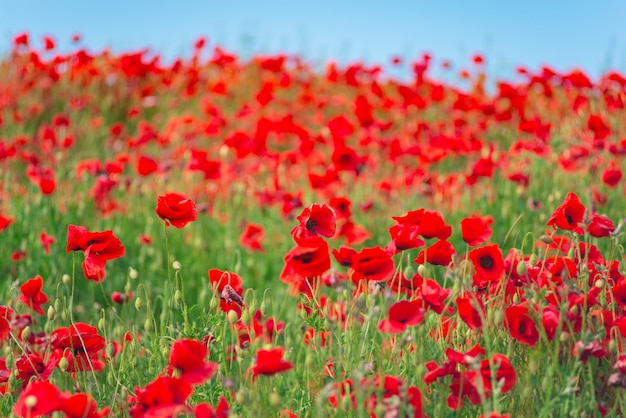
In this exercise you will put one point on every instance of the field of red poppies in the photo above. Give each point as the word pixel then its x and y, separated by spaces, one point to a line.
pixel 220 237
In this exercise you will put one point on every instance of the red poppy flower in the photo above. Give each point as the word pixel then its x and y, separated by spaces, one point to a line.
pixel 82 405
pixel 344 255
pixel 187 356
pixel 46 397
pixel 372 264
pixel 32 295
pixel 405 237
pixel 505 373
pixel 476 229
pixel 310 261
pixel 401 315
pixel 99 247
pixel 469 312
pixel 5 221
pixel 600 226
pixel 230 287
pixel 205 410
pixel 568 215
pixel 520 325
pixel 440 254
pixel 435 296
pixel 32 365
pixel 342 207
pixel 611 176
pixel 431 223
pixel 488 263
pixel 175 209
pixel 80 344
pixel 163 397
pixel 46 241
pixel 251 237
pixel 146 166
pixel 270 362
pixel 319 219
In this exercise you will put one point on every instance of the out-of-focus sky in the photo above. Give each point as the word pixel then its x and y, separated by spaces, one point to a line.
pixel 564 34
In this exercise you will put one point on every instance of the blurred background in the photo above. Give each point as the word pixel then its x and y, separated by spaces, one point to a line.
pixel 563 34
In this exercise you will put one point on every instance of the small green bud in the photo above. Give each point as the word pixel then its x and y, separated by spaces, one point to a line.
pixel 178 296
pixel 232 317
pixel 263 308
pixel 132 273
pixel 127 287
pixel 176 265
pixel 521 268
pixel 275 399
pixel 532 260
pixel 147 325
pixel 66 279
pixel 138 303
pixel 51 314
pixel 101 324
pixel 26 332
pixel 64 364
pixel 58 305
pixel 215 302
pixel 309 361
pixel 245 317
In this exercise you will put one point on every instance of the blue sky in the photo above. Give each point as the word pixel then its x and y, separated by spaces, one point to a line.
pixel 564 34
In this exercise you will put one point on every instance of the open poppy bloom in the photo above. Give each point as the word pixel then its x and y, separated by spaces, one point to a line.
pixel 187 357
pixel 270 362
pixel 176 209
pixel 401 315
pixel 319 219
pixel 488 263
pixel 32 295
pixel 476 229
pixel 98 247
pixel 568 215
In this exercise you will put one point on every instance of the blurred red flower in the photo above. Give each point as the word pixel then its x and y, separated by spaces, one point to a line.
pixel 270 362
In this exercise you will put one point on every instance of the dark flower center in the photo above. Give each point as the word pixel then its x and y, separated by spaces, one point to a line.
pixel 485 262
pixel 311 224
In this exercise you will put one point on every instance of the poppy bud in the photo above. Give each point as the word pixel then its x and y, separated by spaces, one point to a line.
pixel 26 332
pixel 599 284
pixel 63 364
pixel 521 268
pixel 245 317
pixel 532 260
pixel 101 324
pixel 232 317
pixel 546 239
pixel 178 296
pixel 138 303
pixel 52 314
pixel 176 265
pixel 110 350
pixel 263 308
pixel 66 279
pixel 275 399
pixel 13 381
pixel 215 302
pixel 132 273
pixel 58 305
pixel 147 326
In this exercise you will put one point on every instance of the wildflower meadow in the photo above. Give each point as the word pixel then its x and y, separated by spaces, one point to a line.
pixel 228 237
